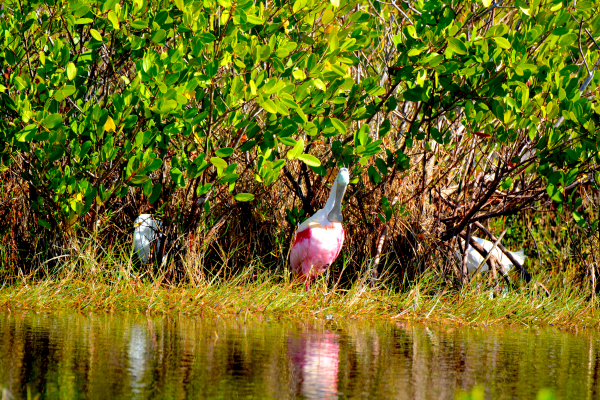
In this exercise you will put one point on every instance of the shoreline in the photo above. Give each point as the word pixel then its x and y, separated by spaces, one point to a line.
pixel 473 307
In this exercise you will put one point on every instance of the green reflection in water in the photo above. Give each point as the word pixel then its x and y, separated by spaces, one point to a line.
pixel 121 356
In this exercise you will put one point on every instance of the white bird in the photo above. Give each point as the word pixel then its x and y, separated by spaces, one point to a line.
pixel 474 258
pixel 146 233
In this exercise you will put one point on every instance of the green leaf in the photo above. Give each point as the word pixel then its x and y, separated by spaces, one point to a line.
pixel 96 35
pixel 374 175
pixel 202 190
pixel 43 223
pixel 273 86
pixel 253 19
pixel 212 68
pixel 154 165
pixel 296 150
pixel 56 154
pixel 138 179
pixel 244 197
pixel 146 64
pixel 206 37
pixel 147 188
pixel 288 141
pixel 338 70
pixel 71 71
pixel 381 166
pixel 334 43
pixel 159 36
pixel 139 24
pixel 384 128
pixel 568 40
pixel 112 17
pixel 299 74
pixel 229 178
pixel 269 106
pixel 9 56
pixel 457 45
pixel 108 5
pixel 327 17
pixel 373 148
pixel 83 21
pixel 289 102
pixel 298 5
pixel 506 183
pixel 249 145
pixel 501 42
pixel 264 52
pixel 28 133
pixel 415 51
pixel 68 90
pixel 555 193
pixel 167 106
pixel 64 92
pixel 309 160
pixel 319 84
pixel 81 11
pixel 156 189
pixel 339 126
pixel 411 31
pixel 177 177
pixel 20 82
pixel 320 170
pixel 579 219
pixel 224 152
pixel 585 5
pixel 52 121
pixel 218 162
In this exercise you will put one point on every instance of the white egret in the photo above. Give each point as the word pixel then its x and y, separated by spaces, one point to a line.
pixel 146 235
pixel 474 258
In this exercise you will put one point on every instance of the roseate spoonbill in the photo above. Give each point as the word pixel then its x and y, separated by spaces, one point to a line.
pixel 474 258
pixel 319 239
pixel 145 234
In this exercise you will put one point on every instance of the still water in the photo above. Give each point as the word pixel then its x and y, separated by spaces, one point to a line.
pixel 120 356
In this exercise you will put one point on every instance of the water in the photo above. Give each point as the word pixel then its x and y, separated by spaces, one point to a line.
pixel 119 356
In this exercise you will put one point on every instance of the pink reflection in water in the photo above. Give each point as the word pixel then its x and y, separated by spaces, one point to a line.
pixel 315 364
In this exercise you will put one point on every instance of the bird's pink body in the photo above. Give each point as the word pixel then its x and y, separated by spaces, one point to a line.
pixel 316 246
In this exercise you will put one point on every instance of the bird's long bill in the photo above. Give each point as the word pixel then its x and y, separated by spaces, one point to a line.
pixel 336 213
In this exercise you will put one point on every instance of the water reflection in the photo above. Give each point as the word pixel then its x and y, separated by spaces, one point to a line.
pixel 138 355
pixel 315 363
pixel 101 356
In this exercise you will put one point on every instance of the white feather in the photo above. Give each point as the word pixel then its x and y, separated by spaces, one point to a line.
pixel 146 231
pixel 474 258
pixel 319 218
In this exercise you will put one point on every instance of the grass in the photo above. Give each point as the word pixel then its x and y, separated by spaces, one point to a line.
pixel 478 393
pixel 110 286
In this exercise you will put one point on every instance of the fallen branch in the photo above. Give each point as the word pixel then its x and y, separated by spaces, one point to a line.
pixel 465 257
pixel 507 253
pixel 492 261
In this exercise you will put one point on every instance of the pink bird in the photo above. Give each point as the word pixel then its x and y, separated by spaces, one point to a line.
pixel 319 239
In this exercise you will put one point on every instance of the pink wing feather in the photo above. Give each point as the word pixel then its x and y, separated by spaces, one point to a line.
pixel 316 248
pixel 299 250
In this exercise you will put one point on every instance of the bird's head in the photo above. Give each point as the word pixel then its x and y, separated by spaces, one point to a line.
pixel 337 191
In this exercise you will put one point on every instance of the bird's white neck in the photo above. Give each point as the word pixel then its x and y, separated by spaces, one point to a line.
pixel 331 199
